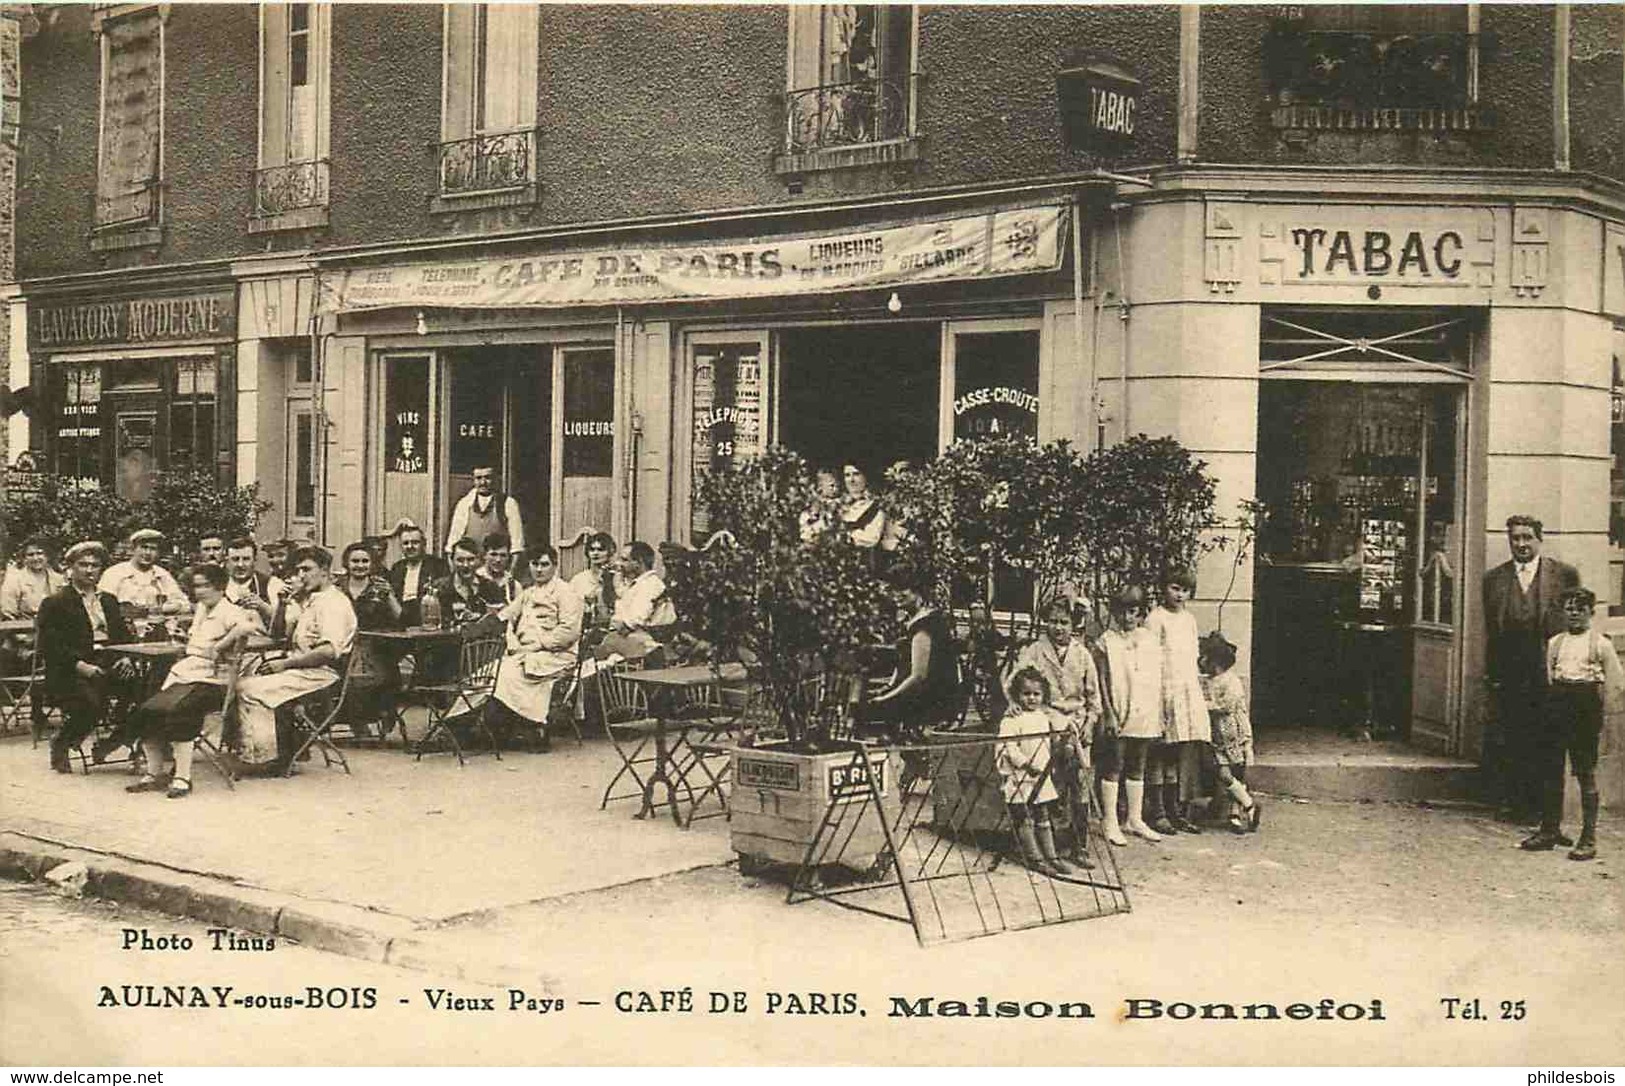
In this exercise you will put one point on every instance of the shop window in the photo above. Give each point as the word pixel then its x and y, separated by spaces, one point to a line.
pixel 192 416
pixel 995 384
pixel 290 186
pixel 728 421
pixel 488 112
pixel 78 438
pixel 130 153
pixel 303 372
pixel 1352 57
pixel 1431 342
pixel 406 405
pixel 851 76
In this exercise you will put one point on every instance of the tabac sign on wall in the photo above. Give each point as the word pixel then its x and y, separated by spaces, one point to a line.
pixel 1099 100
pixel 1008 241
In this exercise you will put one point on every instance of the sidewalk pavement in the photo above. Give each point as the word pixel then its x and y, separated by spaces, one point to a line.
pixel 506 872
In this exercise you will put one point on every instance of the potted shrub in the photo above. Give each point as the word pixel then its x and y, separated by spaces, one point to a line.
pixel 798 613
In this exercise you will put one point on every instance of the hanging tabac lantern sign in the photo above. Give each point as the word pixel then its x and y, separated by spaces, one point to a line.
pixel 1099 100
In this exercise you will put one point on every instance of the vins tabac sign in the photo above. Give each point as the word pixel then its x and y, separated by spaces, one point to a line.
pixel 207 316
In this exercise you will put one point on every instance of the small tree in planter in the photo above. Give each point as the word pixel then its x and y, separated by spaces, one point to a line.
pixel 788 608
pixel 1147 506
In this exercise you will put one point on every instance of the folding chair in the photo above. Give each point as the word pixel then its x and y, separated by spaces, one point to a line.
pixel 464 698
pixel 314 716
pixel 566 696
pixel 17 694
pixel 630 728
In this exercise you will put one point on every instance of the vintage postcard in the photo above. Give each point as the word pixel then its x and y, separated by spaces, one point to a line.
pixel 812 534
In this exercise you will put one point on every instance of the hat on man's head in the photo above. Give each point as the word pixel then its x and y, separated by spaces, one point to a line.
pixel 88 546
pixel 146 535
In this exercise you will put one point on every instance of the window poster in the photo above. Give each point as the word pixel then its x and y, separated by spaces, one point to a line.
pixel 589 413
pixel 995 384
pixel 406 414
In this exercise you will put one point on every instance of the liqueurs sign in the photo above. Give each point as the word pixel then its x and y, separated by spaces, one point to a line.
pixel 1377 254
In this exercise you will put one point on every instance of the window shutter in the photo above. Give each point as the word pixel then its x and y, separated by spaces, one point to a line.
pixel 131 110
pixel 457 105
pixel 510 66
pixel 805 25
pixel 274 84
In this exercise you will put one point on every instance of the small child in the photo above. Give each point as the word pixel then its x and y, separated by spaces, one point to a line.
pixel 1232 730
pixel 1131 691
pixel 1581 669
pixel 1023 761
pixel 1186 729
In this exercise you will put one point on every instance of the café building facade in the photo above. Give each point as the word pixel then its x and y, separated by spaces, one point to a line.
pixel 1391 361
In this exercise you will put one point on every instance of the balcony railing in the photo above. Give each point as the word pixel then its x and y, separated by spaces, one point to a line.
pixel 280 189
pixel 1342 69
pixel 135 206
pixel 490 162
pixel 847 114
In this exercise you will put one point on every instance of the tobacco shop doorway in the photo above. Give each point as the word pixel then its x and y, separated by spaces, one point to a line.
pixel 1358 608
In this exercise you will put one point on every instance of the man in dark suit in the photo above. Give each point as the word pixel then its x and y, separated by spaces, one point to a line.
pixel 72 624
pixel 415 574
pixel 1521 611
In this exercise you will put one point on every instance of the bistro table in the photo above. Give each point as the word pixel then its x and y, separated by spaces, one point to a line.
pixel 418 642
pixel 16 626
pixel 666 687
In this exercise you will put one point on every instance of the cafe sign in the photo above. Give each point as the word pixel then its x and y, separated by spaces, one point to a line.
pixel 205 316
pixel 1008 241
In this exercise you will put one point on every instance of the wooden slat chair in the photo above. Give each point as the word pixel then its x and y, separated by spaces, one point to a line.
pixel 462 701
pixel 624 711
pixel 567 696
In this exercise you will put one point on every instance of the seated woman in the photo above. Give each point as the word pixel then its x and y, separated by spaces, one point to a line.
pixel 171 719
pixel 376 608
pixel 924 690
pixel 543 631
pixel 596 585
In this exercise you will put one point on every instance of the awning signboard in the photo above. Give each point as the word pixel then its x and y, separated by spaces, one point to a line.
pixel 1007 241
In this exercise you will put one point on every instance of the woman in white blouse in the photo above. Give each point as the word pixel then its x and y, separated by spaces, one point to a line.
pixel 862 517
pixel 171 719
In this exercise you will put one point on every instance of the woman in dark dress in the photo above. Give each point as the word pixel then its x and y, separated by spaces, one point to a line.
pixel 924 690
pixel 378 671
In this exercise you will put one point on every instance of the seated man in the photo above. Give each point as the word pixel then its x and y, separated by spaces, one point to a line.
pixel 322 639
pixel 465 596
pixel 543 630
pixel 171 719
pixel 140 585
pixel 415 574
pixel 498 566
pixel 72 624
pixel 643 613
pixel 246 586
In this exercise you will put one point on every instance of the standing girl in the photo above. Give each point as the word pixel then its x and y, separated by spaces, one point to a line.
pixel 1023 761
pixel 1232 731
pixel 1131 685
pixel 1186 730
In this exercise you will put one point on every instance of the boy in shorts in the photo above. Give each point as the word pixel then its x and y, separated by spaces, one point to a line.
pixel 1581 670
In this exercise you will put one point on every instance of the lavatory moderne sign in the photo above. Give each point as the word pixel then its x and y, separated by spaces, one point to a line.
pixel 1008 241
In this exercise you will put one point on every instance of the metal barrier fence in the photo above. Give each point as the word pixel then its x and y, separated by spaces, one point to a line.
pixel 922 833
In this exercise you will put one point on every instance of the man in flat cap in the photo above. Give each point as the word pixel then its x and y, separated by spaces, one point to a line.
pixel 140 583
pixel 73 623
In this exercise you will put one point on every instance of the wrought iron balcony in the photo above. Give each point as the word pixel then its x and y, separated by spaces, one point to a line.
pixel 847 114
pixel 135 206
pixel 1342 69
pixel 280 189
pixel 490 162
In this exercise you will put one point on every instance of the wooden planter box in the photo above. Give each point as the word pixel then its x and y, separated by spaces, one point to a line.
pixel 779 797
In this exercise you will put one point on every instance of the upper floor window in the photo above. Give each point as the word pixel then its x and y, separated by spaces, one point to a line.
pixel 290 186
pixel 1414 61
pixel 851 75
pixel 488 109
pixel 131 141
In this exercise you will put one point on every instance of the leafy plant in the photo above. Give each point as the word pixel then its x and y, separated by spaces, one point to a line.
pixel 183 507
pixel 788 608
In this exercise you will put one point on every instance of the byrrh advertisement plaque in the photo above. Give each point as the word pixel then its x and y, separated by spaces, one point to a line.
pixel 1075 538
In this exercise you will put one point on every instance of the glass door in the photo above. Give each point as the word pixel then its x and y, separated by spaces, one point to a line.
pixel 583 441
pixel 407 488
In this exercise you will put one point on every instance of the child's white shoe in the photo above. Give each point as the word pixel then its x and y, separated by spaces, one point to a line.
pixel 1136 820
pixel 1108 817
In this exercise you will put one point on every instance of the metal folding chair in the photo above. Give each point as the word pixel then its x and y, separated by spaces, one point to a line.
pixel 630 728
pixel 567 695
pixel 451 704
pixel 314 716
pixel 17 696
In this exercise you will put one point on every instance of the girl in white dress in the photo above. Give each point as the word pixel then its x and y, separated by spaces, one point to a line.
pixel 1025 774
pixel 1186 730
pixel 1131 685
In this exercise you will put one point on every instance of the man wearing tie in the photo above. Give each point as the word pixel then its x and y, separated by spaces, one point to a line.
pixel 1521 612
